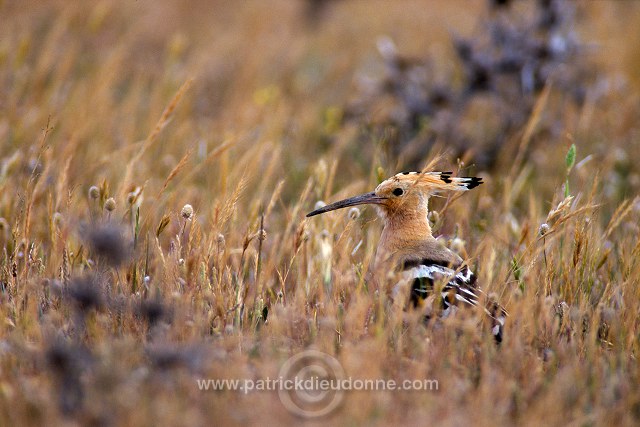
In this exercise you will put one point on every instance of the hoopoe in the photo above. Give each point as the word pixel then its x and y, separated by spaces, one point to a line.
pixel 407 244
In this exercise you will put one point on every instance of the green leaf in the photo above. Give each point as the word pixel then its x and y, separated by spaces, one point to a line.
pixel 570 160
pixel 136 229
pixel 517 273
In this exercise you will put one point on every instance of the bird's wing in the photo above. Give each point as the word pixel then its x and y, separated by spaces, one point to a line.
pixel 460 287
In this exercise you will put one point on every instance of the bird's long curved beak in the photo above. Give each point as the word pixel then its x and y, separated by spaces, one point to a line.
pixel 363 199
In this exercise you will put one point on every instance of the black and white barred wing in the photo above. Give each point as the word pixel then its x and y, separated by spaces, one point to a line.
pixel 460 288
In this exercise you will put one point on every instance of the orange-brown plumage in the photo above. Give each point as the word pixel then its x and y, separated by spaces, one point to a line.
pixel 403 203
pixel 407 243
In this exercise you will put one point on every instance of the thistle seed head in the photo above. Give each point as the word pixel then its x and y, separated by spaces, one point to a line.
pixel 354 213
pixel 110 204
pixel 544 229
pixel 94 192
pixel 433 217
pixel 57 219
pixel 187 211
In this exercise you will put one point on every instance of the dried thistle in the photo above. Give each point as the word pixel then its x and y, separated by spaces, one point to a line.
pixel 66 362
pixel 153 311
pixel 86 293
pixel 107 242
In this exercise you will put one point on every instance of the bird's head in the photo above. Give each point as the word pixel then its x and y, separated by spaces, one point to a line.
pixel 405 193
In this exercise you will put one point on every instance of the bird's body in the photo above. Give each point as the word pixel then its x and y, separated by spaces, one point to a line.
pixel 407 245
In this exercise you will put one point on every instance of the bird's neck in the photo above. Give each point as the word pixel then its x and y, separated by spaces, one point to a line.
pixel 407 237
pixel 403 233
pixel 407 227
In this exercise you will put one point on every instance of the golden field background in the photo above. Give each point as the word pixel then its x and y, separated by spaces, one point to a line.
pixel 240 110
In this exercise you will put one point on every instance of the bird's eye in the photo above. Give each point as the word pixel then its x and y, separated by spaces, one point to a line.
pixel 398 191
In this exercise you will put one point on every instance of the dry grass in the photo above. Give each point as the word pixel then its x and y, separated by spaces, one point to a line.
pixel 109 317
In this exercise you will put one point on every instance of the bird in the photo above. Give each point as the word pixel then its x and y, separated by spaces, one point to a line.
pixel 407 245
